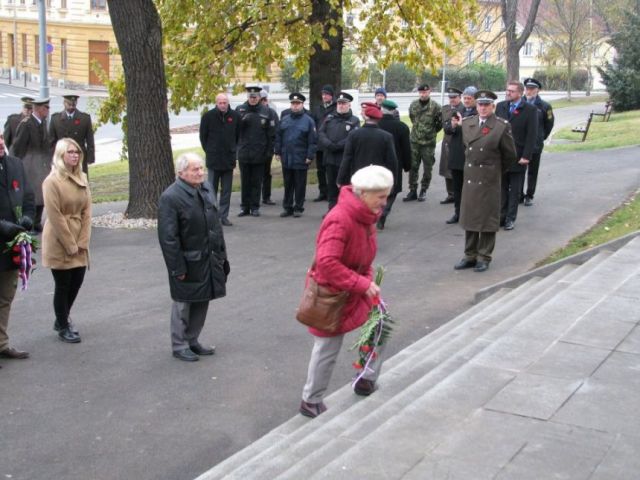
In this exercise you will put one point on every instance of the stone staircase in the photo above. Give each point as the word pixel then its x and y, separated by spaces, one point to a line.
pixel 541 381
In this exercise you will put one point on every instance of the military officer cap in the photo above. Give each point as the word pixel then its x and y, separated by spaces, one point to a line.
pixel 424 87
pixel 27 101
pixel 370 104
pixel 389 104
pixel 41 101
pixel 297 97
pixel 453 92
pixel 73 98
pixel 485 96
pixel 264 94
pixel 253 90
pixel 344 97
pixel 532 82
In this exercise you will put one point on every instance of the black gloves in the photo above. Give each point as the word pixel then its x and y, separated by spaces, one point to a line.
pixel 26 223
pixel 10 229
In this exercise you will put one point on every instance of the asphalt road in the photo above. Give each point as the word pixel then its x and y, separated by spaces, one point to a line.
pixel 118 406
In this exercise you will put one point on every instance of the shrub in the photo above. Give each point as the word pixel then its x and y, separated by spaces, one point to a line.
pixel 555 78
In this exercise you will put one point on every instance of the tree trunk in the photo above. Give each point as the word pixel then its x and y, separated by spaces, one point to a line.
pixel 515 42
pixel 325 66
pixel 138 31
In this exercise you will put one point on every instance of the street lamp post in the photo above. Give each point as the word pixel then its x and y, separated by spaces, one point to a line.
pixel 42 19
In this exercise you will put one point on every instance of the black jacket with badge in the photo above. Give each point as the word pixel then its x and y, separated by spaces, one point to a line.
pixel 545 122
pixel 402 144
pixel 16 201
pixel 332 135
pixel 456 146
pixel 256 131
pixel 192 242
pixel 79 128
pixel 524 127
pixel 369 145
pixel 219 138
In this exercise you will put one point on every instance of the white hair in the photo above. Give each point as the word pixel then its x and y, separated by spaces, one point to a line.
pixel 185 159
pixel 373 178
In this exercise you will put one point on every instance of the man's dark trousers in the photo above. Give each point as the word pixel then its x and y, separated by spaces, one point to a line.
pixel 223 179
pixel 295 188
pixel 250 185
pixel 511 188
pixel 332 184
pixel 322 174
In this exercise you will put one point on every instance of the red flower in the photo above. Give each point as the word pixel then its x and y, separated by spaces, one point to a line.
pixel 229 119
pixel 365 348
pixel 76 122
pixel 516 111
pixel 357 365
pixel 17 260
pixel 15 185
pixel 376 300
pixel 485 131
pixel 16 248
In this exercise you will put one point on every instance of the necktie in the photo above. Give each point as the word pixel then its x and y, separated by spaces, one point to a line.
pixel 512 107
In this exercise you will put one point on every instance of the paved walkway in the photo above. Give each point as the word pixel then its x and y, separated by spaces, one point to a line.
pixel 119 406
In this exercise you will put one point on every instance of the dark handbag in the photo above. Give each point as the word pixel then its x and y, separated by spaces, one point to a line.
pixel 320 308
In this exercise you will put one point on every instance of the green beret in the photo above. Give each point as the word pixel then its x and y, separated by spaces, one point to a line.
pixel 389 104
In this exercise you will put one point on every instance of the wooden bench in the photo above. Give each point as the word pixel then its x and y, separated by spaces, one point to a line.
pixel 584 129
pixel 608 108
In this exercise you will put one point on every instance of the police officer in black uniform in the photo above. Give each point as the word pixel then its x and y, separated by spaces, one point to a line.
pixel 545 125
pixel 256 130
pixel 332 137
pixel 320 113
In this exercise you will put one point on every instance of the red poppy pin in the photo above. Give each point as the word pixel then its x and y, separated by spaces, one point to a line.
pixel 76 122
pixel 485 130
pixel 230 120
pixel 516 112
pixel 15 185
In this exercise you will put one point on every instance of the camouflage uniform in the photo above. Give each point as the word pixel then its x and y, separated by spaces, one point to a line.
pixel 427 122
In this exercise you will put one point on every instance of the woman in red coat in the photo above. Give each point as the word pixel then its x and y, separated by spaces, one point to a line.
pixel 345 249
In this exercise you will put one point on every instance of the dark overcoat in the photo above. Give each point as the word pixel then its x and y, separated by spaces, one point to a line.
pixel 402 144
pixel 192 242
pixel 16 201
pixel 524 128
pixel 219 138
pixel 256 132
pixel 11 128
pixel 33 146
pixel 456 147
pixel 369 145
pixel 79 128
pixel 545 122
pixel 445 149
pixel 489 153
pixel 332 135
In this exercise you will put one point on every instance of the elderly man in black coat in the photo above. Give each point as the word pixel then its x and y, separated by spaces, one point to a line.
pixel 219 139
pixel 523 118
pixel 369 145
pixel 195 253
pixel 402 143
pixel 17 208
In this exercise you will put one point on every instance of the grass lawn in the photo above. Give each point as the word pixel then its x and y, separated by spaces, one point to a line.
pixel 565 102
pixel 625 219
pixel 621 130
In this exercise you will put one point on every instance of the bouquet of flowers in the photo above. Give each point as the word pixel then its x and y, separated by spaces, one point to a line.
pixel 22 247
pixel 374 332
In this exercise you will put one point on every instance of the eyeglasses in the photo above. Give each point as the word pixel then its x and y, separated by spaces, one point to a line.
pixel 73 152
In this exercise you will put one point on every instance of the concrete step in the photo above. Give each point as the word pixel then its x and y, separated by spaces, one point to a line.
pixel 275 459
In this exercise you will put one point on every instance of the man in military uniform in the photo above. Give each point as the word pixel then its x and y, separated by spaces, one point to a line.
pixel 426 117
pixel 332 137
pixel 256 131
pixel 72 123
pixel 402 145
pixel 33 146
pixel 523 118
pixel 267 178
pixel 545 125
pixel 489 151
pixel 454 107
pixel 320 113
pixel 11 125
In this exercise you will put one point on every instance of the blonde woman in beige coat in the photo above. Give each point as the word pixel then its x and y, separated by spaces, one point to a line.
pixel 67 231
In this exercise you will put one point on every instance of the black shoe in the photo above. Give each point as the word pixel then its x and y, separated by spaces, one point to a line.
pixel 255 213
pixel 364 387
pixel 449 199
pixel 268 201
pixel 509 225
pixel 312 410
pixel 70 326
pixel 381 222
pixel 411 196
pixel 423 195
pixel 226 222
pixel 528 201
pixel 243 213
pixel 286 213
pixel 320 198
pixel 186 355
pixel 453 219
pixel 200 350
pixel 297 213
pixel 481 266
pixel 464 263
pixel 68 336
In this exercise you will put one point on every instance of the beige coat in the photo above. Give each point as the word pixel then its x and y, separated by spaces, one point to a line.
pixel 67 231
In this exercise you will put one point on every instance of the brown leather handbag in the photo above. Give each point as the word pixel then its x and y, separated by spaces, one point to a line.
pixel 320 308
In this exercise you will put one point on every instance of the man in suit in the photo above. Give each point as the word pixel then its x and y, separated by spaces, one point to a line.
pixel 523 118
pixel 13 120
pixel 33 146
pixel 72 123
pixel 16 211
pixel 489 152
pixel 219 138
pixel 545 125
